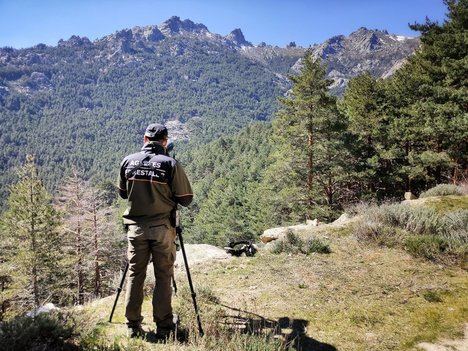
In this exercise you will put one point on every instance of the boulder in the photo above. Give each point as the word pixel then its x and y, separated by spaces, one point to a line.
pixel 342 219
pixel 280 232
pixel 201 253
pixel 299 227
pixel 313 222
pixel 43 309
pixel 273 234
pixel 410 196
pixel 269 246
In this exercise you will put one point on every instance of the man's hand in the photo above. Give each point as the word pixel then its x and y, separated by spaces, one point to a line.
pixel 184 200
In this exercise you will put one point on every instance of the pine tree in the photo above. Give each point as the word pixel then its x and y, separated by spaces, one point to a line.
pixel 222 216
pixel 91 238
pixel 105 250
pixel 364 104
pixel 308 160
pixel 73 204
pixel 30 235
pixel 430 94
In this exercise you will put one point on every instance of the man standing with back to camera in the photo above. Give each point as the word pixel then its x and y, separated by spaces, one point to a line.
pixel 154 184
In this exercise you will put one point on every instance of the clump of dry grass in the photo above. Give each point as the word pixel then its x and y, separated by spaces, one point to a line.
pixel 443 190
pixel 423 231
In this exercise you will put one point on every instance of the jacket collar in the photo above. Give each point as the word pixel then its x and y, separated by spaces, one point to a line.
pixel 153 148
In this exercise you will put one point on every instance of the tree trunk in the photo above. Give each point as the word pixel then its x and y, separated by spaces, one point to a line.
pixel 310 165
pixel 97 271
pixel 438 169
pixel 35 288
pixel 408 180
pixel 79 268
pixel 329 192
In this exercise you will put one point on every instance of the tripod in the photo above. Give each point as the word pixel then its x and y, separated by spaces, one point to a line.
pixel 189 277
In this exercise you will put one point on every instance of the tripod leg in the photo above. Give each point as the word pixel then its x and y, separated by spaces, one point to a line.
pixel 118 291
pixel 174 284
pixel 189 277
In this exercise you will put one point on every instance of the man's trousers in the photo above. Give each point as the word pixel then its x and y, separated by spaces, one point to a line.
pixel 145 240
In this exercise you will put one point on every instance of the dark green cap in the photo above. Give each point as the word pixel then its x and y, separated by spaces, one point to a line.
pixel 156 131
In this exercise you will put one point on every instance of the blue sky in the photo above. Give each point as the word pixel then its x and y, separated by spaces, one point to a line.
pixel 25 23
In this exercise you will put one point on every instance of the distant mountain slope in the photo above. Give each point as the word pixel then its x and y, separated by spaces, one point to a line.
pixel 375 51
pixel 86 103
pixel 363 50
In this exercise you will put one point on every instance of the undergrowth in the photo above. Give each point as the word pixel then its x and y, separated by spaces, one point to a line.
pixel 294 244
pixel 422 231
pixel 443 190
pixel 47 331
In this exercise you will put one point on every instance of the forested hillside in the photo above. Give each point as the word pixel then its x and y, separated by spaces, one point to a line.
pixel 228 174
pixel 86 103
pixel 89 112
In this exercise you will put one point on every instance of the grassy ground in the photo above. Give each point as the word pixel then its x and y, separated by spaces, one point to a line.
pixel 356 298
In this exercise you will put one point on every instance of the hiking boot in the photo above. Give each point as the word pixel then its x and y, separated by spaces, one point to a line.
pixel 165 332
pixel 135 332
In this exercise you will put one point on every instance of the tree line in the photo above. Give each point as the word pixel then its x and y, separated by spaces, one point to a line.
pixel 65 250
pixel 383 138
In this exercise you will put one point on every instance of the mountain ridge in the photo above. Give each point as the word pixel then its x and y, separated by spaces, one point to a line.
pixel 362 50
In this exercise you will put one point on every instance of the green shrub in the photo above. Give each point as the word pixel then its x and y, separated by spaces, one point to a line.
pixel 47 331
pixel 294 244
pixel 290 244
pixel 432 296
pixel 427 246
pixel 315 245
pixel 442 190
pixel 419 220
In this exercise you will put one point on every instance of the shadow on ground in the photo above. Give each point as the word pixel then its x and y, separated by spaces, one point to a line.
pixel 292 331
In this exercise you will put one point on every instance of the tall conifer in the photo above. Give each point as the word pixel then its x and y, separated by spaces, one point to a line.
pixel 308 157
pixel 30 232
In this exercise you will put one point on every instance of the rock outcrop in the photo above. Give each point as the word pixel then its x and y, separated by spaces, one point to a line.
pixel 237 37
pixel 201 253
pixel 280 232
pixel 175 25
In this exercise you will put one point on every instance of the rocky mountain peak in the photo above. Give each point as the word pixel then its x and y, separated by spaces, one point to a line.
pixel 237 37
pixel 124 34
pixel 361 30
pixel 148 33
pixel 75 41
pixel 369 40
pixel 175 25
pixel 330 46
